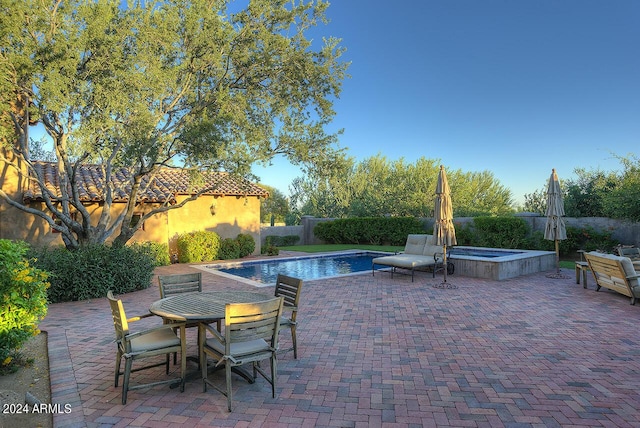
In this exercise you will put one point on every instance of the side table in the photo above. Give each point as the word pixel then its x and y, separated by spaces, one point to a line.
pixel 584 268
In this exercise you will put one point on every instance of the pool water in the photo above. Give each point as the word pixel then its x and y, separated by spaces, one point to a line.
pixel 305 268
pixel 486 253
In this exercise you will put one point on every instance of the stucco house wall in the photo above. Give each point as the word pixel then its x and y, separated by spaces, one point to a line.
pixel 226 214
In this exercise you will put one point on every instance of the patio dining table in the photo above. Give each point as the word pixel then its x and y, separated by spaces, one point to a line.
pixel 207 307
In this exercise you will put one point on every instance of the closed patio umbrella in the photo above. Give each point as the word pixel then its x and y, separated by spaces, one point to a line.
pixel 555 229
pixel 443 229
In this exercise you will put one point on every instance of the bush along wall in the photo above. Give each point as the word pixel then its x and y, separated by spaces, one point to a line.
pixel 513 232
pixel 91 271
pixel 369 230
pixel 206 246
pixel 23 299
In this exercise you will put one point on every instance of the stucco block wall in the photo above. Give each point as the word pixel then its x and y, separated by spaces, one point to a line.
pixel 226 215
pixel 232 215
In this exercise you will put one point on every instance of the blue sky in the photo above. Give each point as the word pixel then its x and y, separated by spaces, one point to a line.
pixel 515 87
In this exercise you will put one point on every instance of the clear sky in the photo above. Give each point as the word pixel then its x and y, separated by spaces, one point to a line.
pixel 515 87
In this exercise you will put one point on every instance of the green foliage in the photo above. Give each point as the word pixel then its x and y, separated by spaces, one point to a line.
pixel 275 207
pixel 495 232
pixel 91 271
pixel 281 241
pixel 200 246
pixel 246 244
pixel 378 187
pixel 141 85
pixel 596 193
pixel 368 230
pixel 292 219
pixel 587 239
pixel 158 252
pixel 270 250
pixel 536 202
pixel 23 298
pixel 229 249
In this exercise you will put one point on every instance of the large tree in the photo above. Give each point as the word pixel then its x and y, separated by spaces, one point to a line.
pixel 377 186
pixel 200 84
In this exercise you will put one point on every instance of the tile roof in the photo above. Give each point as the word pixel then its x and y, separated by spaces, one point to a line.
pixel 165 186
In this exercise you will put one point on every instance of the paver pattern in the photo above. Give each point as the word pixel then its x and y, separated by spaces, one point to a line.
pixel 380 352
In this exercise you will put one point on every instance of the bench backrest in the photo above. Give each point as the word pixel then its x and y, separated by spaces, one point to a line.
pixel 631 252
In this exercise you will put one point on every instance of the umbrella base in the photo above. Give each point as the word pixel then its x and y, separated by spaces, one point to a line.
pixel 445 284
pixel 557 275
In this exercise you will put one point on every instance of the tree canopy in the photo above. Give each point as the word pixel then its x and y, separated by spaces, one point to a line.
pixel 597 193
pixel 200 84
pixel 378 186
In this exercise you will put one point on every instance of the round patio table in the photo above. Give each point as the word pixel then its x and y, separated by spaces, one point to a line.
pixel 206 306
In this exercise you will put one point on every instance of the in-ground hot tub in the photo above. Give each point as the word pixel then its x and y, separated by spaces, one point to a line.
pixel 499 264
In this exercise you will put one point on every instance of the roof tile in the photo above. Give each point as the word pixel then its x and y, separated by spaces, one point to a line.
pixel 167 183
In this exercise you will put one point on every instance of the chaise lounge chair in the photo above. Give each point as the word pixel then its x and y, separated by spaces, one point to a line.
pixel 420 251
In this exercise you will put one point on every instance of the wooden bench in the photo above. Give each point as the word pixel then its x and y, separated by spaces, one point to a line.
pixel 615 273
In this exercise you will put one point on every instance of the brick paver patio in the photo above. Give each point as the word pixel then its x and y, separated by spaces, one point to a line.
pixel 382 352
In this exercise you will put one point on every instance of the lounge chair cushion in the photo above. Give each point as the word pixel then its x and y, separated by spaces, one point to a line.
pixel 407 261
pixel 430 250
pixel 415 244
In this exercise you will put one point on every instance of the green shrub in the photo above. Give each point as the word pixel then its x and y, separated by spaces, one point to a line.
pixel 157 251
pixel 495 232
pixel 91 271
pixel 587 239
pixel 229 249
pixel 246 244
pixel 280 241
pixel 198 246
pixel 368 230
pixel 23 298
pixel 270 250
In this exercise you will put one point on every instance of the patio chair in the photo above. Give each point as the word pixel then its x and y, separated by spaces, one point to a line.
pixel 171 285
pixel 289 289
pixel 181 283
pixel 151 342
pixel 250 336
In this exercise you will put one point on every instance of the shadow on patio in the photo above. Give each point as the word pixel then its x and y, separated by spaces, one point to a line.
pixel 376 351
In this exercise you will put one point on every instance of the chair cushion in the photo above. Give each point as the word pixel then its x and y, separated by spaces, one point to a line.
pixel 430 250
pixel 431 240
pixel 415 244
pixel 629 270
pixel 157 339
pixel 239 349
pixel 407 261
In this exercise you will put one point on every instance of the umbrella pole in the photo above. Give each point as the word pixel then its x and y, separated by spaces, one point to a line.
pixel 557 257
pixel 444 261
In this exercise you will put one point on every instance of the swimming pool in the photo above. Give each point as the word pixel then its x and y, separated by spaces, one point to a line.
pixel 476 262
pixel 264 272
